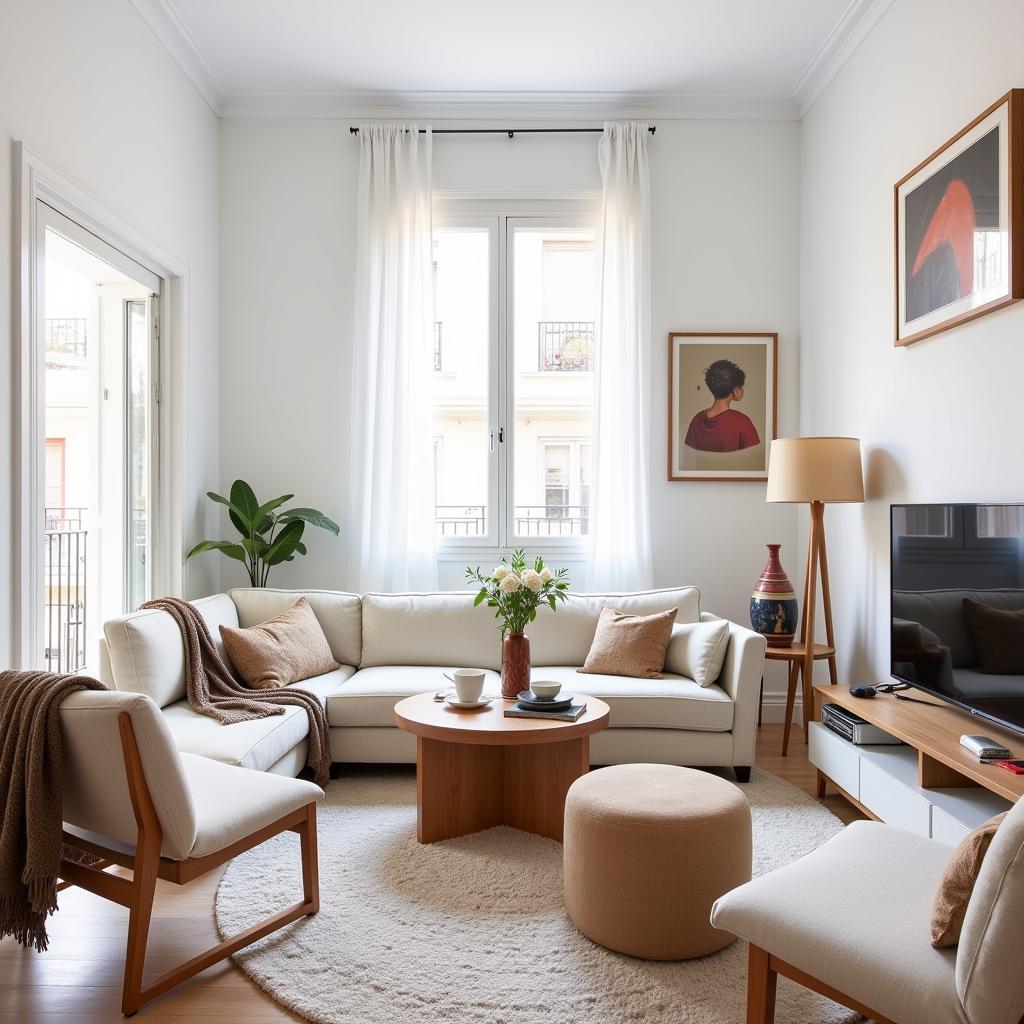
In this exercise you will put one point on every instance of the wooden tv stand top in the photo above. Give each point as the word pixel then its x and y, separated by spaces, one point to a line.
pixel 934 730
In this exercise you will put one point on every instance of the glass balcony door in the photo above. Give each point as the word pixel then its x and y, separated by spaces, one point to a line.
pixel 99 311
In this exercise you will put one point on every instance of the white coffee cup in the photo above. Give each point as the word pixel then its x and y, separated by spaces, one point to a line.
pixel 469 684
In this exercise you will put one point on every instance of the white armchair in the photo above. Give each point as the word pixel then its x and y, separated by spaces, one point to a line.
pixel 132 800
pixel 851 921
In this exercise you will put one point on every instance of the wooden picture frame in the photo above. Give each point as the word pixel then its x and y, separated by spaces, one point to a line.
pixel 704 444
pixel 959 226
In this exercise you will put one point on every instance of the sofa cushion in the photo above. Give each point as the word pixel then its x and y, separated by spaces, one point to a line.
pixel 629 645
pixel 323 686
pixel 672 702
pixel 445 629
pixel 429 629
pixel 147 655
pixel 339 614
pixel 697 650
pixel 285 649
pixel 255 744
pixel 564 637
pixel 370 696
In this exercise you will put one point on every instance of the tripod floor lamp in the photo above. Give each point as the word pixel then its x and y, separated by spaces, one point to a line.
pixel 815 470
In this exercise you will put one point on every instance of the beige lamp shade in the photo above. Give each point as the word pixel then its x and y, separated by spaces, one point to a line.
pixel 805 469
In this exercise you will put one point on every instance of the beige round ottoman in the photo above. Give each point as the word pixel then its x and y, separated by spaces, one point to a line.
pixel 648 848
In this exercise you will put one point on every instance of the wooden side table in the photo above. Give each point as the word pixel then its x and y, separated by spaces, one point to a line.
pixel 796 655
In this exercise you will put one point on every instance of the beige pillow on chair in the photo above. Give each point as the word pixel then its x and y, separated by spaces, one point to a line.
pixel 284 649
pixel 630 645
pixel 957 883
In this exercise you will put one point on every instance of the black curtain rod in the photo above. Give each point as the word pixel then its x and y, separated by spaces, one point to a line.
pixel 510 132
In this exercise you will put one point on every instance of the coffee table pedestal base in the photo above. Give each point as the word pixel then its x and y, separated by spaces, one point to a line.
pixel 466 787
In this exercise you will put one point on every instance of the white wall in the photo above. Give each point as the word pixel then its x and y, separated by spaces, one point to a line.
pixel 725 241
pixel 940 420
pixel 88 86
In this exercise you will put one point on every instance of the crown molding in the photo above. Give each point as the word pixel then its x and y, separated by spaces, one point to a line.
pixel 498 106
pixel 849 32
pixel 169 27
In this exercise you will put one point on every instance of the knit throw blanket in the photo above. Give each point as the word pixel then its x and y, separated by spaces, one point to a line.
pixel 214 691
pixel 31 799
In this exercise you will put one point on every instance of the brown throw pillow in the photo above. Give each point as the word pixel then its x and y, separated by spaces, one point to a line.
pixel 957 883
pixel 630 645
pixel 998 635
pixel 284 649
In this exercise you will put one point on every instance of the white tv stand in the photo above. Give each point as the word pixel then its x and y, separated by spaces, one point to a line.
pixel 931 785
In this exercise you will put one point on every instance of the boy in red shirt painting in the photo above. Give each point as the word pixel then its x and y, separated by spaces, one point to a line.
pixel 719 428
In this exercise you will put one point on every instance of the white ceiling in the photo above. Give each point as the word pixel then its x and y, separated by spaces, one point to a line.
pixel 247 54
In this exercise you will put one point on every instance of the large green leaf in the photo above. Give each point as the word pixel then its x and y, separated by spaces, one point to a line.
pixel 262 515
pixel 226 547
pixel 244 500
pixel 284 543
pixel 239 519
pixel 311 516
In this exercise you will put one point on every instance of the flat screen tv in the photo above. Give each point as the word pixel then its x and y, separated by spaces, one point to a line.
pixel 957 606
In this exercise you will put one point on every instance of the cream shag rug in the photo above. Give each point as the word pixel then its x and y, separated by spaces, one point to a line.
pixel 474 929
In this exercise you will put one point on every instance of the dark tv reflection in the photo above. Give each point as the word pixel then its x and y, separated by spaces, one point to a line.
pixel 942 557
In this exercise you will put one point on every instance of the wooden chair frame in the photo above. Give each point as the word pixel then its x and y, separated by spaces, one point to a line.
pixel 762 976
pixel 147 866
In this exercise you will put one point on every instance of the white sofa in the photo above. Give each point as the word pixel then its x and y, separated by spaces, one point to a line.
pixel 390 646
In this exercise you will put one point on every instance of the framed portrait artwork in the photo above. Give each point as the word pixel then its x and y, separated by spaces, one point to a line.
pixel 959 230
pixel 722 396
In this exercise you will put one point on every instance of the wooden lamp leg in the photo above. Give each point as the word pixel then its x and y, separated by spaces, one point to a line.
pixel 826 601
pixel 810 602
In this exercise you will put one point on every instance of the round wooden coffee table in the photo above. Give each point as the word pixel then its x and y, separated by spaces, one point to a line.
pixel 478 769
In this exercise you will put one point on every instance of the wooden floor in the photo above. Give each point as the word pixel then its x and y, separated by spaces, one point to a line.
pixel 78 980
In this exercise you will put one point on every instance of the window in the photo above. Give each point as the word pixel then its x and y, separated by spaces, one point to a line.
pixel 513 384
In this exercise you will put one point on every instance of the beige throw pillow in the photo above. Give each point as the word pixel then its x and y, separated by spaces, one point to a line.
pixel 697 650
pixel 630 645
pixel 284 649
pixel 957 884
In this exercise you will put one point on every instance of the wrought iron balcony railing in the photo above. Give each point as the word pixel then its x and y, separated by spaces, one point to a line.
pixel 64 574
pixel 66 336
pixel 529 520
pixel 565 345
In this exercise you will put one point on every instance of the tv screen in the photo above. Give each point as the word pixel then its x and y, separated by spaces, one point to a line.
pixel 957 603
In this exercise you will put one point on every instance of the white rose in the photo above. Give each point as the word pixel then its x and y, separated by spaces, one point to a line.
pixel 510 583
pixel 501 572
pixel 546 575
pixel 533 580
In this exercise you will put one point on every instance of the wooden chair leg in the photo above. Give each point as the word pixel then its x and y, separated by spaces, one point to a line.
pixel 761 982
pixel 310 863
pixel 790 700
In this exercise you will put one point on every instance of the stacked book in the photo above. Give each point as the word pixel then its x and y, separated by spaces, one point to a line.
pixel 562 712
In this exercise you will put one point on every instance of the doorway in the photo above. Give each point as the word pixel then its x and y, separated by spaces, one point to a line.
pixel 98 317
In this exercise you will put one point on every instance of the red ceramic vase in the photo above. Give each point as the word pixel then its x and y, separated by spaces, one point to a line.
pixel 773 607
pixel 515 665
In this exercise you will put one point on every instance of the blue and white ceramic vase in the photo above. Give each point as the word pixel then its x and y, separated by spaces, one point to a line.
pixel 773 606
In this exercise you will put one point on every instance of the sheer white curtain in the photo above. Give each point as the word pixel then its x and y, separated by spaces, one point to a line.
pixel 620 528
pixel 392 456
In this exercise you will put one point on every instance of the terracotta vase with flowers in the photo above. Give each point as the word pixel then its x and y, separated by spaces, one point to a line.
pixel 516 590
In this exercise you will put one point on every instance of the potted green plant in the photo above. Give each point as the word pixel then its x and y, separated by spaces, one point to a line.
pixel 270 534
pixel 515 591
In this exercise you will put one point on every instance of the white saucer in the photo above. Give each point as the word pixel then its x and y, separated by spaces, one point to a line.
pixel 452 700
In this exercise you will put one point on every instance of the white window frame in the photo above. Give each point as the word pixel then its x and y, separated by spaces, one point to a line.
pixel 38 182
pixel 568 208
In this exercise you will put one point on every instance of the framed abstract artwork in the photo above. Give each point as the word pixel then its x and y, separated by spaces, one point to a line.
pixel 960 226
pixel 722 396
